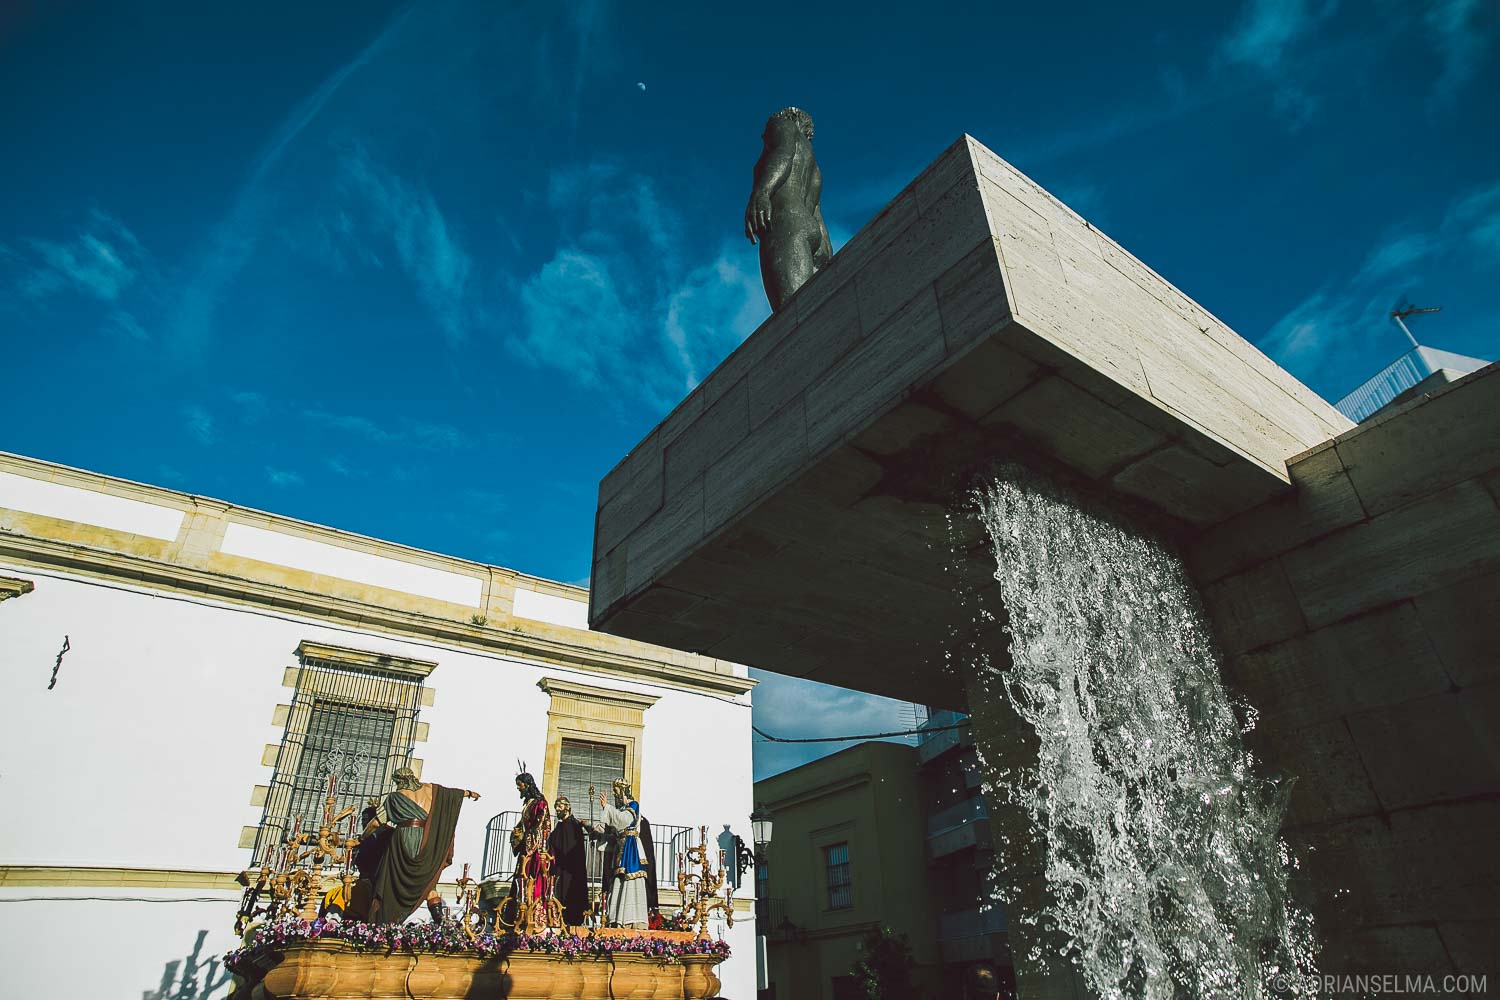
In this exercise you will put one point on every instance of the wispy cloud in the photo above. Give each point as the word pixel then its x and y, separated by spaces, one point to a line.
pixel 575 317
pixel 102 259
pixel 586 16
pixel 715 308
pixel 425 243
pixel 1267 29
pixel 406 431
pixel 235 238
pixel 199 423
pixel 1460 42
pixel 615 305
pixel 1340 317
pixel 123 324
pixel 282 477
pixel 102 263
pixel 1264 38
pixel 250 405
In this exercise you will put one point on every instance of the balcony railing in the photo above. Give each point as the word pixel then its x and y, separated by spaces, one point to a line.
pixel 670 843
pixel 966 811
pixel 770 913
pixel 935 738
pixel 971 923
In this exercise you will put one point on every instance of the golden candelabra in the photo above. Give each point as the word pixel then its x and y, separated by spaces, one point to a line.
pixel 292 879
pixel 700 890
pixel 466 902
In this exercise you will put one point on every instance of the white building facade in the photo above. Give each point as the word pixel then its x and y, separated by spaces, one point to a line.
pixel 213 665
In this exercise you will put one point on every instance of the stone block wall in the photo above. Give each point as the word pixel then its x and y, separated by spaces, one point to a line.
pixel 1358 616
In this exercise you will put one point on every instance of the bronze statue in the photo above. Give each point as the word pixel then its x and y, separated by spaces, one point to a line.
pixel 784 212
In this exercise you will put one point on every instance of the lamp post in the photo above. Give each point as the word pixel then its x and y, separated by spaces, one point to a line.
pixel 760 832
pixel 760 827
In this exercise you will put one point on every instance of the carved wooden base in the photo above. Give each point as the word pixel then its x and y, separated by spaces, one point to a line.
pixel 332 970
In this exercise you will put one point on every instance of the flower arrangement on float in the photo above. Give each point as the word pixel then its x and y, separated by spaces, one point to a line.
pixel 450 938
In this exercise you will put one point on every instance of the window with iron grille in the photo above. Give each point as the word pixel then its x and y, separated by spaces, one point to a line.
pixel 352 722
pixel 763 873
pixel 840 884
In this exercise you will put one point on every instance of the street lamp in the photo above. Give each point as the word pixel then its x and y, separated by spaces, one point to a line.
pixel 760 827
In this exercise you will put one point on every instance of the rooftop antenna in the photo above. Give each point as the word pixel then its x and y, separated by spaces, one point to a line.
pixel 1403 309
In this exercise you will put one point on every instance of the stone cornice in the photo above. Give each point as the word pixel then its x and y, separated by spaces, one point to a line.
pixel 190 503
pixel 570 689
pixel 11 586
pixel 359 659
pixel 802 796
pixel 116 878
pixel 140 571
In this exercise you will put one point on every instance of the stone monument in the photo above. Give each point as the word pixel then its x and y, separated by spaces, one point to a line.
pixel 794 511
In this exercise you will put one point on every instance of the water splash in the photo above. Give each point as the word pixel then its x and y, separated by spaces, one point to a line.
pixel 1156 838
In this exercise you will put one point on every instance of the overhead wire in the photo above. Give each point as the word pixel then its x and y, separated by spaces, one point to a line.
pixel 866 736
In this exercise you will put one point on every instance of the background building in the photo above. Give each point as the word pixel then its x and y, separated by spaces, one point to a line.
pixel 971 926
pixel 847 856
pixel 880 835
pixel 214 665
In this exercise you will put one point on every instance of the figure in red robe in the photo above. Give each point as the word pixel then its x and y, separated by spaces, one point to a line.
pixel 532 880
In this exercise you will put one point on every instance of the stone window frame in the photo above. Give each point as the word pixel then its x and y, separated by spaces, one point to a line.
pixel 593 715
pixel 293 718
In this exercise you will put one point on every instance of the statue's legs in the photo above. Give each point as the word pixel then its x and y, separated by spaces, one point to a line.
pixel 786 261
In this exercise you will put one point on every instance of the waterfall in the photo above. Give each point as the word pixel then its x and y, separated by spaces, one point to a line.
pixel 1155 836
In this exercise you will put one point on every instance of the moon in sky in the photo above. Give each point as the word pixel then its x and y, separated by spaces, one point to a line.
pixel 641 85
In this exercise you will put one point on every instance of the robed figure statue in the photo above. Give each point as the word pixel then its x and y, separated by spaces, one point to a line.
pixel 532 881
pixel 408 848
pixel 630 863
pixel 568 846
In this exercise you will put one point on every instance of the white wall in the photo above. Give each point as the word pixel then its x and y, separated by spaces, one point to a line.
pixel 281 549
pixel 71 503
pixel 551 608
pixel 147 751
pixel 81 944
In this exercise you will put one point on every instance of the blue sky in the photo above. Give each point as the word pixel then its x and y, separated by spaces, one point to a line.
pixel 426 271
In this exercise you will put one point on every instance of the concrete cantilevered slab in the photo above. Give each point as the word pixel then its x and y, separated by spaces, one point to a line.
pixel 790 512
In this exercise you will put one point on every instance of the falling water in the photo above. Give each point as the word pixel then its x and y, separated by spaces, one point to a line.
pixel 1158 842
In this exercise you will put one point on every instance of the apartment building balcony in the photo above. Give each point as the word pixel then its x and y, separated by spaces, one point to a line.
pixel 958 828
pixel 970 935
pixel 936 739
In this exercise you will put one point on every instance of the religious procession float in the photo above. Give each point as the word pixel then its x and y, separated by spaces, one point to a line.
pixel 324 916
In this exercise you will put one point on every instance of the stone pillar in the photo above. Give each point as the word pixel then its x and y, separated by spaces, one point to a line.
pixel 201 534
